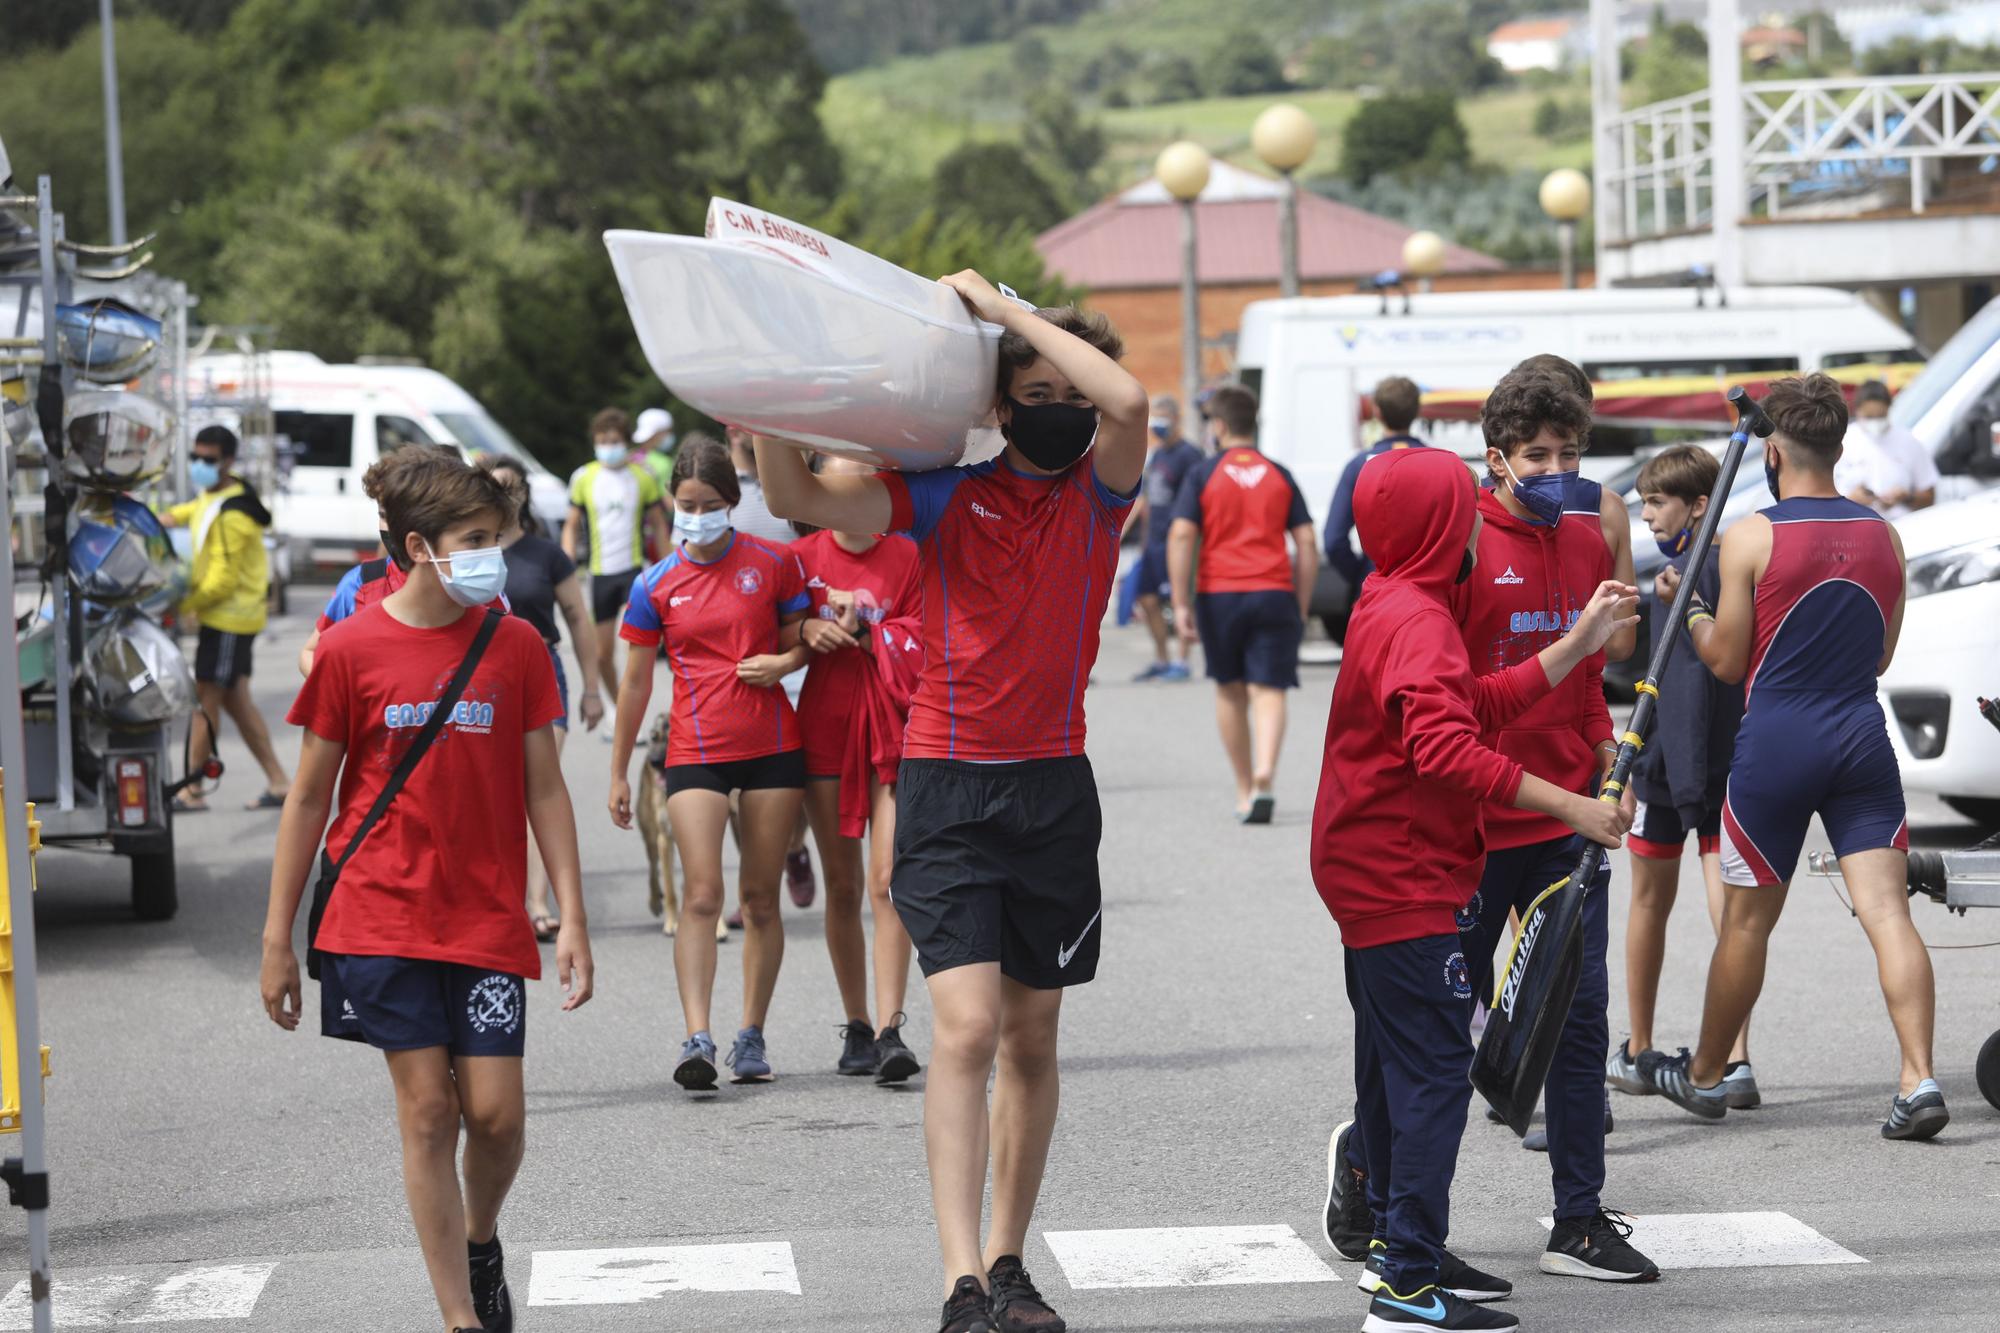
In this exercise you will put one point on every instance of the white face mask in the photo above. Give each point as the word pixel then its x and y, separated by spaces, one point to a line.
pixel 701 529
pixel 1875 426
pixel 471 578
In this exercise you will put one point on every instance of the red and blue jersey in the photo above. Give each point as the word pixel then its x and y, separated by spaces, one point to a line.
pixel 1245 505
pixel 1825 602
pixel 710 617
pixel 1017 571
pixel 885 582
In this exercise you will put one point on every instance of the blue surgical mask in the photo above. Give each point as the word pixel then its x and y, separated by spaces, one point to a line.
pixel 204 474
pixel 1544 496
pixel 701 529
pixel 612 455
pixel 1676 544
pixel 471 578
pixel 1160 426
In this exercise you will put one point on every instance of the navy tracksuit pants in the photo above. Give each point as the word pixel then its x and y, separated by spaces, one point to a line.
pixel 1573 1097
pixel 1412 1054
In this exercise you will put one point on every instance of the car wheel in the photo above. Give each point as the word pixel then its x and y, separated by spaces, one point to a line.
pixel 1981 810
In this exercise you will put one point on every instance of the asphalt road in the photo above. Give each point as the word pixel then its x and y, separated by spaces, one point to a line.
pixel 213 1173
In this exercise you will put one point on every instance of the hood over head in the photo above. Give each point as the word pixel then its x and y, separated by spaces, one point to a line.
pixel 1414 510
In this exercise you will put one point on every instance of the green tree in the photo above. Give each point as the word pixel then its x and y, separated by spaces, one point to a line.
pixel 630 113
pixel 1435 45
pixel 1400 133
pixel 1242 63
pixel 1070 144
pixel 1174 79
pixel 1672 63
pixel 998 184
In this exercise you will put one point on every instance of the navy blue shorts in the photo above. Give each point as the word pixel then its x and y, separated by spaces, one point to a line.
pixel 1153 578
pixel 406 1004
pixel 1800 756
pixel 1250 636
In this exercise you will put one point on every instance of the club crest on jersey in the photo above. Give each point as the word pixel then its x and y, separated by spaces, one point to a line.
pixel 748 581
pixel 1468 915
pixel 1249 476
pixel 495 1004
pixel 1509 577
pixel 1458 977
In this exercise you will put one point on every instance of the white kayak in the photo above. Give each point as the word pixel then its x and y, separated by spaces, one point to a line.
pixel 787 331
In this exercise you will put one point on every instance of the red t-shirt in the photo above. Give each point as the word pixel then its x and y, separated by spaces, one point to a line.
pixel 442 875
pixel 885 582
pixel 1244 504
pixel 1017 570
pixel 711 617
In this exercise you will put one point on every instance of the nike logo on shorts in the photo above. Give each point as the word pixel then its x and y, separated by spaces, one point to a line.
pixel 1063 955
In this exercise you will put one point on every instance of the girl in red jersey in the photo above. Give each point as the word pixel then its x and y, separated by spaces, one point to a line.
pixel 861 585
pixel 728 608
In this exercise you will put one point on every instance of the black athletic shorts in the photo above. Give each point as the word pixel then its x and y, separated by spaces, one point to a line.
pixel 221 658
pixel 997 863
pixel 787 769
pixel 1250 636
pixel 610 594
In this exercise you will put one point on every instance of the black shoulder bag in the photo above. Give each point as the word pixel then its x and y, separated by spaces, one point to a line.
pixel 329 869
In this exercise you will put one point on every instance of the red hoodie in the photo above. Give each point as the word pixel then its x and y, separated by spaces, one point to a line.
pixel 875 727
pixel 1533 581
pixel 1398 841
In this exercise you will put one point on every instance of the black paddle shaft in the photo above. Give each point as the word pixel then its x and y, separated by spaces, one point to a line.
pixel 1750 420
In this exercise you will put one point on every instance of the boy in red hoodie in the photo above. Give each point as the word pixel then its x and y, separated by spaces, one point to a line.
pixel 1541 553
pixel 1397 845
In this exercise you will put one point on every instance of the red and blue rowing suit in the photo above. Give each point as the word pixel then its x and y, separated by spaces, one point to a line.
pixel 1813 739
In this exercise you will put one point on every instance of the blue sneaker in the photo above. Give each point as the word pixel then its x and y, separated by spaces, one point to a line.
pixel 1174 671
pixel 1670 1075
pixel 747 1061
pixel 1153 671
pixel 696 1071
pixel 1919 1115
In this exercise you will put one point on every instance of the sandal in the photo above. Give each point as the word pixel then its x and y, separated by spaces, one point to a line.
pixel 546 927
pixel 267 800
pixel 184 806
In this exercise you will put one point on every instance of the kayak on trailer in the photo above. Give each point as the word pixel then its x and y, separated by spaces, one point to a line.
pixel 787 331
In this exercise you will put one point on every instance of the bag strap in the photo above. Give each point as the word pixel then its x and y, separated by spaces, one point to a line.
pixel 429 732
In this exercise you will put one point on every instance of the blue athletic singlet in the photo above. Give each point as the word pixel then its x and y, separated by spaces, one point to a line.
pixel 1814 740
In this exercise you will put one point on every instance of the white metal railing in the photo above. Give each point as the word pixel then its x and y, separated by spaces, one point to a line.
pixel 1826 145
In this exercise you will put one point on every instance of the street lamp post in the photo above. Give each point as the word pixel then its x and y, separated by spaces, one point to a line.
pixel 114 152
pixel 1183 169
pixel 1565 196
pixel 1423 256
pixel 1284 137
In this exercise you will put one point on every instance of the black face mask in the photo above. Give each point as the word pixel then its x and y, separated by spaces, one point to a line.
pixel 1771 476
pixel 396 557
pixel 1465 563
pixel 1052 435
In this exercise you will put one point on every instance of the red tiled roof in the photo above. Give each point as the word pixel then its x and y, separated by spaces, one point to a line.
pixel 1531 30
pixel 1128 242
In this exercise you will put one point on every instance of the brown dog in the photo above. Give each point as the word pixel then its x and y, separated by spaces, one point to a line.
pixel 658 832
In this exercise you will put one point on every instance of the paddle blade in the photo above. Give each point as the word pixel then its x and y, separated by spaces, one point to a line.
pixel 1530 1005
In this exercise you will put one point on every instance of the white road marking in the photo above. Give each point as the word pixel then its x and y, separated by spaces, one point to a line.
pixel 1732 1240
pixel 160 1295
pixel 1186 1257
pixel 648 1272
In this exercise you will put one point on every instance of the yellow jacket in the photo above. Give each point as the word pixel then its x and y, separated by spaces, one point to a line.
pixel 231 575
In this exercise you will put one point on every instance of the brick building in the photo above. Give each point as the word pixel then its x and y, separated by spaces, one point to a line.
pixel 1127 252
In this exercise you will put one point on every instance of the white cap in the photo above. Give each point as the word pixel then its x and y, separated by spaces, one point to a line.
pixel 651 422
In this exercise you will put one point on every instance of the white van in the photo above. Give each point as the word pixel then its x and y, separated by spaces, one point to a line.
pixel 1311 360
pixel 333 421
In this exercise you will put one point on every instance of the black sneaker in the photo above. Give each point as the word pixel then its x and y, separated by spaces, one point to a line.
pixel 1739 1086
pixel 965 1310
pixel 1467 1283
pixel 1670 1075
pixel 1349 1224
pixel 1455 1275
pixel 857 1054
pixel 1917 1116
pixel 1430 1307
pixel 491 1300
pixel 1597 1247
pixel 1622 1070
pixel 894 1062
pixel 1017 1306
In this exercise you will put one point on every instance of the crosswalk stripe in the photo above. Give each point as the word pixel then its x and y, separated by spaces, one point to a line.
pixel 154 1295
pixel 1186 1257
pixel 1732 1240
pixel 647 1272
